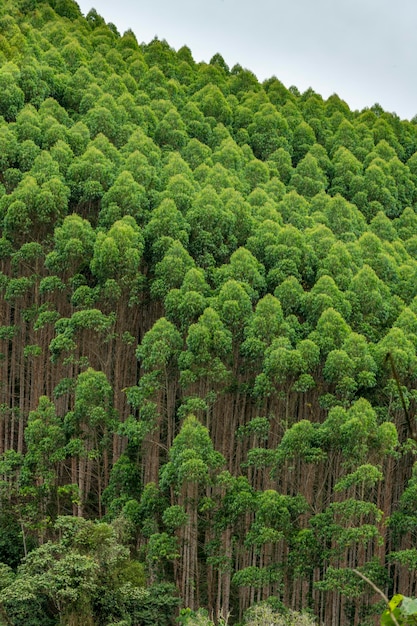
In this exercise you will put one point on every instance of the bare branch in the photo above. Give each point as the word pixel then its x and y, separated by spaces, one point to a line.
pixel 378 591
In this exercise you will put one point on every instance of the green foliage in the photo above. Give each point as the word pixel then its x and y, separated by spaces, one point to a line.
pixel 264 615
pixel 188 617
pixel 401 611
pixel 192 457
pixel 70 573
pixel 198 272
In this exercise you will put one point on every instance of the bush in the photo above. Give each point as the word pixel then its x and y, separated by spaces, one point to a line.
pixel 194 618
pixel 264 615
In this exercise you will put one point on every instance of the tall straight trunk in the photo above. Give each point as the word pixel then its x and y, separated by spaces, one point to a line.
pixel 81 486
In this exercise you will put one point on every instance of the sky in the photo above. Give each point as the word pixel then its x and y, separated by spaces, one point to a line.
pixel 363 50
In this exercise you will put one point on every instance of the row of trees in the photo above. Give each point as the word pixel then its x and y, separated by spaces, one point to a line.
pixel 208 333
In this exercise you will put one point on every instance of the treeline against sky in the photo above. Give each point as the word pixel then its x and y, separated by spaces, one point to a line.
pixel 208 333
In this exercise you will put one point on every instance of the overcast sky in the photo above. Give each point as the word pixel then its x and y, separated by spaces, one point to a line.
pixel 363 50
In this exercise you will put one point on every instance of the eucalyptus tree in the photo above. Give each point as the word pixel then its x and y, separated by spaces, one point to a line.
pixel 45 453
pixel 268 132
pixel 190 472
pixel 303 138
pixel 90 426
pixel 184 306
pixel 155 396
pixel 204 364
pixel 14 97
pixel 124 197
pixel 211 228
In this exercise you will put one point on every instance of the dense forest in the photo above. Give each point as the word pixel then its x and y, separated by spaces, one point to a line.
pixel 208 335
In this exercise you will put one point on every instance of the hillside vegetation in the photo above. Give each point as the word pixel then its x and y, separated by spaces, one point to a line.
pixel 208 333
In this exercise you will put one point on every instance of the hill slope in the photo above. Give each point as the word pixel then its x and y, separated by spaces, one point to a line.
pixel 208 319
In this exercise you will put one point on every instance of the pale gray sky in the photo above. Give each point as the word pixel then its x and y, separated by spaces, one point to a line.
pixel 363 50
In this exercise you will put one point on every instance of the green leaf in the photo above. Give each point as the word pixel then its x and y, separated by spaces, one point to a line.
pixel 395 601
pixel 386 618
pixel 409 606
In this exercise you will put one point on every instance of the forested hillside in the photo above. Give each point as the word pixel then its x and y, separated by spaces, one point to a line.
pixel 208 334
